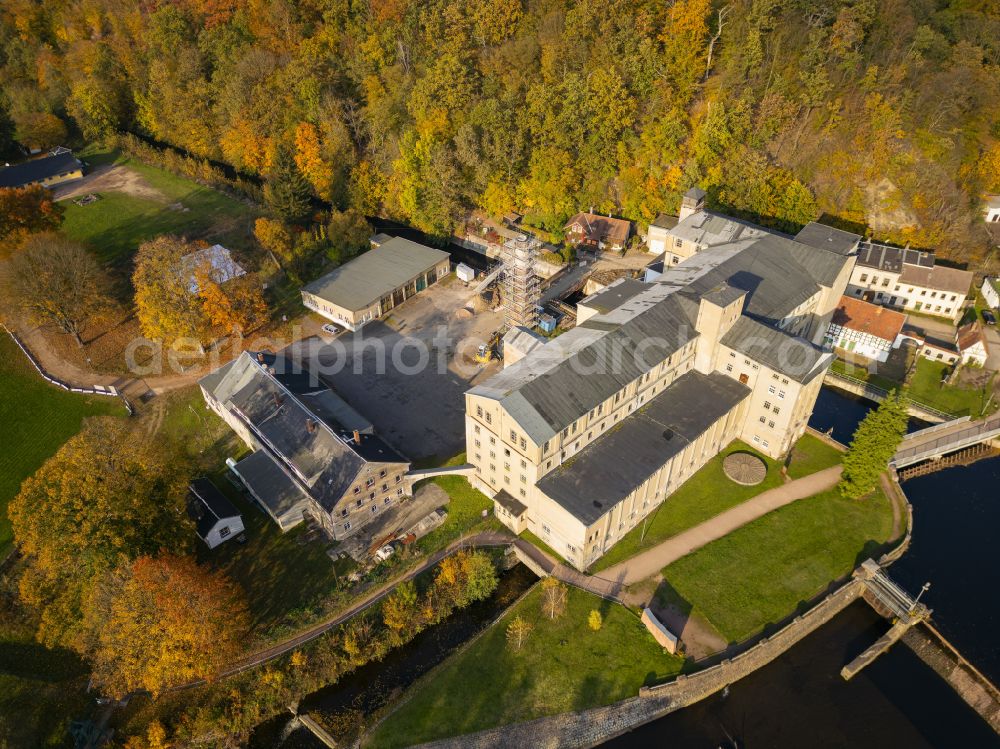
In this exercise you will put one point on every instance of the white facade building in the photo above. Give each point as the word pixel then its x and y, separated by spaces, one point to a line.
pixel 910 280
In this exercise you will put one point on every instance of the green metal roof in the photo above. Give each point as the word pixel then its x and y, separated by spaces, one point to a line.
pixel 369 277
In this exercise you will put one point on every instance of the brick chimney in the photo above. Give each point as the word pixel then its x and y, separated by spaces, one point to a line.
pixel 357 437
pixel 260 356
pixel 310 426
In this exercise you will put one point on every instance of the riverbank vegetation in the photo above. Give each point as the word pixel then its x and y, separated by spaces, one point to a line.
pixel 234 707
pixel 562 665
pixel 874 443
pixel 709 492
pixel 765 571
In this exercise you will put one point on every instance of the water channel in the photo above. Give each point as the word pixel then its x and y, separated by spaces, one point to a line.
pixel 800 699
pixel 372 686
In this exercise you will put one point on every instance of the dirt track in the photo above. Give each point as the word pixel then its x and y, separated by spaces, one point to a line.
pixel 111 178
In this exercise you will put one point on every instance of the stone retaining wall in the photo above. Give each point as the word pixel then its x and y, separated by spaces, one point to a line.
pixel 965 679
pixel 591 728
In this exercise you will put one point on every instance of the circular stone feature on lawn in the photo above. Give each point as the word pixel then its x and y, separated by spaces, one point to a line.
pixel 744 468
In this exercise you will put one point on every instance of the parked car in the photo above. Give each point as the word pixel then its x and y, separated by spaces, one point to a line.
pixel 331 329
pixel 989 318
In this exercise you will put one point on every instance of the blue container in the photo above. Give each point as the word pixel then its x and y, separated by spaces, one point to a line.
pixel 547 323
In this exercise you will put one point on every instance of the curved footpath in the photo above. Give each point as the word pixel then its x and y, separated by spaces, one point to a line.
pixel 610 584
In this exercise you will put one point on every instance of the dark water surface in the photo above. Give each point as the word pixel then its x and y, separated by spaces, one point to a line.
pixel 800 700
pixel 372 686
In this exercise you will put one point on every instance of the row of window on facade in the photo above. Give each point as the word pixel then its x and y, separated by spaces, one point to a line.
pixel 374 507
pixel 923 292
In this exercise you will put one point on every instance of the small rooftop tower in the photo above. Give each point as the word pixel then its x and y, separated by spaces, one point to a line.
pixel 692 202
pixel 519 284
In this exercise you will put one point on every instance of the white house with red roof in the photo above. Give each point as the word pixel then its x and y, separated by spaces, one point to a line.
pixel 865 329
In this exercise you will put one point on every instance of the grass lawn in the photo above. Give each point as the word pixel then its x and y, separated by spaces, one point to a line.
pixel 115 225
pixel 531 538
pixel 764 571
pixel 37 419
pixel 563 666
pixel 925 387
pixel 701 497
pixel 41 690
pixel 465 511
pixel 811 454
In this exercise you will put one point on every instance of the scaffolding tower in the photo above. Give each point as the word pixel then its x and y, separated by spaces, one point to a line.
pixel 519 284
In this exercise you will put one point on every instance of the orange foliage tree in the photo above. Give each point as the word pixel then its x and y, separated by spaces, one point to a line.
pixel 163 621
pixel 25 210
pixel 236 306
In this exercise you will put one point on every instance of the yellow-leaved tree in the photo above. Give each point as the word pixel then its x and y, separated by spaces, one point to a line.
pixel 103 499
pixel 162 621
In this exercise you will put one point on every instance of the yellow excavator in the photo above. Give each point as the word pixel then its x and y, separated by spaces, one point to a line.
pixel 490 350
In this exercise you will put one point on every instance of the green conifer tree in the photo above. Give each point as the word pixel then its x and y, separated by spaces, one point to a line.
pixel 875 441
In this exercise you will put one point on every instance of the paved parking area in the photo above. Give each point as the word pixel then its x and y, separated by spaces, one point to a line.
pixel 408 372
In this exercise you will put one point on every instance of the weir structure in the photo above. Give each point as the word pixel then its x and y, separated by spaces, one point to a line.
pixel 890 601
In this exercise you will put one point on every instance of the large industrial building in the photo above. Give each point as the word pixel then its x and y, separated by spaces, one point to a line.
pixel 313 455
pixel 369 286
pixel 588 433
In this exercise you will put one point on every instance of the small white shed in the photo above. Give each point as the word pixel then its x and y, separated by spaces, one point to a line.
pixel 215 517
pixel 464 272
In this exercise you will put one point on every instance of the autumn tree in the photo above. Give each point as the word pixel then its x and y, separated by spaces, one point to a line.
pixel 310 162
pixel 106 497
pixel 348 233
pixel 40 130
pixel 399 610
pixel 553 597
pixel 166 298
pixel 56 281
pixel 24 210
pixel 875 442
pixel 235 305
pixel 161 621
pixel 275 237
pixel 7 127
pixel 286 190
pixel 517 632
pixel 594 620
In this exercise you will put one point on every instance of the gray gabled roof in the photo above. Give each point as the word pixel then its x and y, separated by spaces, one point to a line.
pixel 892 259
pixel 323 458
pixel 794 357
pixel 774 281
pixel 369 277
pixel 271 484
pixel 570 375
pixel 829 238
pixel 613 466
pixel 614 295
pixel 207 506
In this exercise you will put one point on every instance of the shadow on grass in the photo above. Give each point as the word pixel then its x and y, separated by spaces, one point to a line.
pixel 29 660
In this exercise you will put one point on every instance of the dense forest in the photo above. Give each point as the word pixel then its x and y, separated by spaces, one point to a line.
pixel 878 113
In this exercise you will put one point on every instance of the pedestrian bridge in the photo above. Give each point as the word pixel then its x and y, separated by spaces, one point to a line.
pixel 941 439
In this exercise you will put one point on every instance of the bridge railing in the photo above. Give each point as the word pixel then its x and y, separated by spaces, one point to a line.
pixel 975 432
pixel 882 393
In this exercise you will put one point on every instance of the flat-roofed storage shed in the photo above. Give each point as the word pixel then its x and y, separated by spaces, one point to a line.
pixel 372 284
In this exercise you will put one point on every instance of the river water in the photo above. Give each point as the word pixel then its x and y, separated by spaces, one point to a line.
pixel 372 686
pixel 801 700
